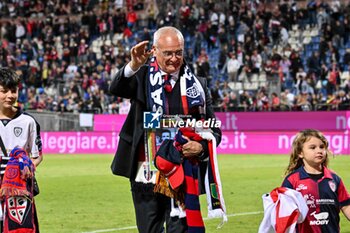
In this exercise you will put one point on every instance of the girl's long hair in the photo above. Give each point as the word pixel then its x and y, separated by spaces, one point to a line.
pixel 303 136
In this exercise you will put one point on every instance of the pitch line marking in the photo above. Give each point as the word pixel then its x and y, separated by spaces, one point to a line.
pixel 134 227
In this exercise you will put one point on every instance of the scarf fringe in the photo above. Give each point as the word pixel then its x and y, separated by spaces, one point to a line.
pixel 163 190
pixel 11 192
pixel 177 211
pixel 217 213
pixel 162 186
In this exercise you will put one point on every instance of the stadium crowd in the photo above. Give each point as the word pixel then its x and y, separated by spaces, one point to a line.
pixel 257 55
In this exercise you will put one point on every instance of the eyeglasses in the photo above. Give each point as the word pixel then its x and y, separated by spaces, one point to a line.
pixel 169 54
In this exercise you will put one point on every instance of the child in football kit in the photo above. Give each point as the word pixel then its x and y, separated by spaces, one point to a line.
pixel 322 189
pixel 21 152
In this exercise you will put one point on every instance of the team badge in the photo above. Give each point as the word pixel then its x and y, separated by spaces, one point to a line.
pixel 332 185
pixel 213 191
pixel 147 173
pixel 193 92
pixel 17 131
pixel 17 208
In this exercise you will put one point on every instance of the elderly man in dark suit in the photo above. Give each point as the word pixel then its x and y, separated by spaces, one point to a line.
pixel 162 84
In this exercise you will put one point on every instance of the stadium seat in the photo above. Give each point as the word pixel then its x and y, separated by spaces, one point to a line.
pixel 262 77
pixel 236 86
pixel 295 47
pixel 263 84
pixel 291 40
pixel 315 39
pixel 108 42
pixel 306 33
pixel 307 40
pixel 296 34
pixel 345 75
pixel 314 32
pixel 250 86
pixel 254 78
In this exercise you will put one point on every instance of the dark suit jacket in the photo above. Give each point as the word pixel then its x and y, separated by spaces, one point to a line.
pixel 131 135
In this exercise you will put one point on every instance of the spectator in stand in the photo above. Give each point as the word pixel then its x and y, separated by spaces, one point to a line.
pixel 285 65
pixel 224 103
pixel 131 19
pixel 346 58
pixel 245 100
pixel 203 67
pixel 290 98
pixel 344 101
pixel 303 102
pixel 225 88
pixel 263 101
pixel 333 79
pixel 233 102
pixel 216 93
pixel 233 66
pixel 333 101
pixel 323 49
pixel 314 63
pixel 124 107
pixel 275 102
pixel 256 62
pixel 284 103
pixel 346 24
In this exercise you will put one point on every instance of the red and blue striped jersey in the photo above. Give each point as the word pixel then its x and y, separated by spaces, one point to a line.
pixel 324 197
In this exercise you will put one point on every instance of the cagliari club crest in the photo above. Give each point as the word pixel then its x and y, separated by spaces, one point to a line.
pixel 332 185
pixel 16 206
pixel 17 131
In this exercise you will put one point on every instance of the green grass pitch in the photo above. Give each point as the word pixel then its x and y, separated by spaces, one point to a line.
pixel 80 194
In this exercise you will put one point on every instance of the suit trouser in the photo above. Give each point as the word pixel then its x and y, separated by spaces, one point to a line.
pixel 153 210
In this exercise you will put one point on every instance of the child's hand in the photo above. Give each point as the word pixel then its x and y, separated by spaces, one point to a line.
pixel 36 161
pixel 346 211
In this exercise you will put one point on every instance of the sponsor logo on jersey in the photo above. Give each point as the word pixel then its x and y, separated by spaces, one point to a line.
pixel 17 131
pixel 321 218
pixel 310 200
pixel 301 187
pixel 325 202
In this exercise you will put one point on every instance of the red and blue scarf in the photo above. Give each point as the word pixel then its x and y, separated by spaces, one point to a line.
pixel 213 188
pixel 17 193
pixel 193 212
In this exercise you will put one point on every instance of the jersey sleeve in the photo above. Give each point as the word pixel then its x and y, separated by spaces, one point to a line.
pixel 35 140
pixel 343 195
pixel 286 183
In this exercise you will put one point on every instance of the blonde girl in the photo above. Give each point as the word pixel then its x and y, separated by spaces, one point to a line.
pixel 322 188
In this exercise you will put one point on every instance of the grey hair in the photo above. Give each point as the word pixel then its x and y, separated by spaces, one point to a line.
pixel 167 29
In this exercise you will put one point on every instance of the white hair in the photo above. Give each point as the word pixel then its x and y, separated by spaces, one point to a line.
pixel 164 30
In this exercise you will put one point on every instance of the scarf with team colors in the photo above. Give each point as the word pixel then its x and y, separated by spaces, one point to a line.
pixel 17 193
pixel 213 188
pixel 192 93
pixel 193 213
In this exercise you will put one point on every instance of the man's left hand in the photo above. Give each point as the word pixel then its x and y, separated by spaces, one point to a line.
pixel 191 148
